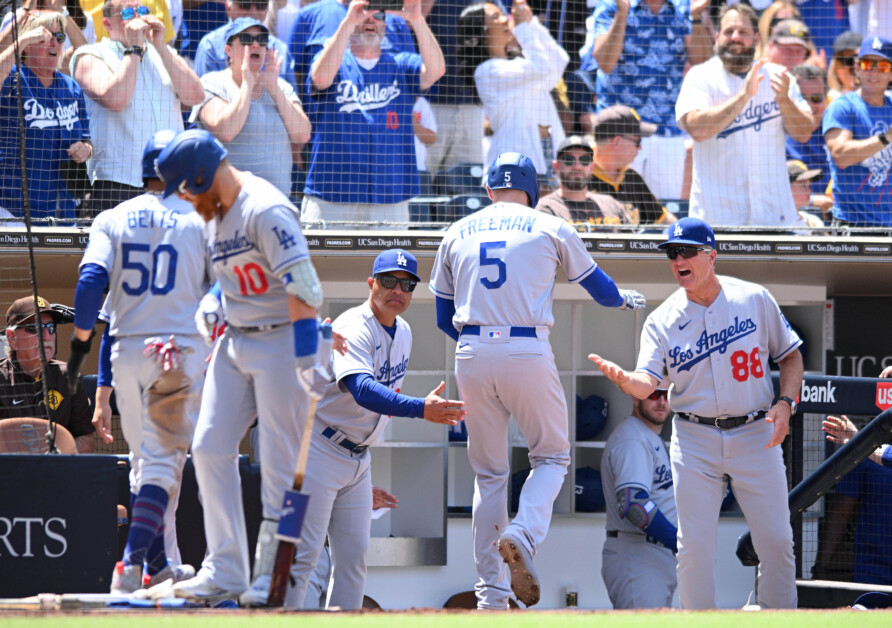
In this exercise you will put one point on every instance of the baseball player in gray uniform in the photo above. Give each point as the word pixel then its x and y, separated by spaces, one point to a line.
pixel 638 560
pixel 712 340
pixel 359 399
pixel 270 294
pixel 494 284
pixel 151 255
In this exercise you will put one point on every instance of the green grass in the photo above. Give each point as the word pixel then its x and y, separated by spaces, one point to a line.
pixel 531 619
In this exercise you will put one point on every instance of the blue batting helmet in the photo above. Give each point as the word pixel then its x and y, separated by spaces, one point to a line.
pixel 190 161
pixel 153 148
pixel 514 170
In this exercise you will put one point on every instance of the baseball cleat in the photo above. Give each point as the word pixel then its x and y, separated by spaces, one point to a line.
pixel 524 581
pixel 177 573
pixel 258 593
pixel 201 588
pixel 126 578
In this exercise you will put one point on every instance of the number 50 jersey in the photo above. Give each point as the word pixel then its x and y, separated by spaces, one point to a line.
pixel 155 253
pixel 499 265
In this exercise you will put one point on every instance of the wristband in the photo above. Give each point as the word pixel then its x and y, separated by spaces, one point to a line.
pixel 697 20
pixel 883 139
pixel 306 337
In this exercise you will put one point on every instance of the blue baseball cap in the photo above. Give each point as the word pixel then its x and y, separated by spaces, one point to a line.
pixel 240 25
pixel 877 47
pixel 689 231
pixel 396 259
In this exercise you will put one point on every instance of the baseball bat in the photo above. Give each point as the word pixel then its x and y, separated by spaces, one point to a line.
pixel 285 551
pixel 287 544
pixel 65 602
pixel 825 477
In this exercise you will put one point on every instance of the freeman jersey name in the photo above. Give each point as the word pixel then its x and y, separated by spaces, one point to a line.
pixel 494 223
pixel 221 250
pixel 684 359
pixel 151 218
pixel 374 96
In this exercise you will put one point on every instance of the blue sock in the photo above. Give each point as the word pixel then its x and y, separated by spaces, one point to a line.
pixel 156 558
pixel 146 519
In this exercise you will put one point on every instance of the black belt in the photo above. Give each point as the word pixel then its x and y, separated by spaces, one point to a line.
pixel 516 332
pixel 724 422
pixel 349 445
pixel 613 534
pixel 255 328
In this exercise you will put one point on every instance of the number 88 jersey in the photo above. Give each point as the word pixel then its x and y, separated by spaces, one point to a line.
pixel 154 252
pixel 251 247
pixel 716 356
pixel 499 265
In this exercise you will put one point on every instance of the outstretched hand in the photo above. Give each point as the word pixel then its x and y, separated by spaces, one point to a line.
pixel 839 429
pixel 445 411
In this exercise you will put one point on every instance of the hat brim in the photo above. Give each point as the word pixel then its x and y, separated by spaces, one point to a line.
pixel 648 129
pixel 792 41
pixel 808 175
pixel 391 269
pixel 666 245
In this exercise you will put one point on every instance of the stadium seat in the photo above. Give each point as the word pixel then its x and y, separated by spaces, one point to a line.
pixel 460 179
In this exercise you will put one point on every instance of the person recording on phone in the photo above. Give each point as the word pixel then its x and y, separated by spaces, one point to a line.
pixel 360 100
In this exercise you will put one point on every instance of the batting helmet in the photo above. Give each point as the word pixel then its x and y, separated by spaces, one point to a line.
pixel 189 162
pixel 514 170
pixel 153 148
pixel 591 416
pixel 589 491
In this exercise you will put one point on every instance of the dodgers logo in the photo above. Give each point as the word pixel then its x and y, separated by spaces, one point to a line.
pixel 678 231
pixel 374 96
pixel 401 259
pixel 286 240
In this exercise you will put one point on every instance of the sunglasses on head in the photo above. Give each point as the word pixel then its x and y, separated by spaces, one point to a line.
pixel 131 12
pixel 247 39
pixel 568 160
pixel 687 252
pixel 882 65
pixel 814 98
pixel 31 328
pixel 658 394
pixel 389 282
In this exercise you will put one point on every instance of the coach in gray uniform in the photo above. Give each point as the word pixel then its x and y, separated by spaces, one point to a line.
pixel 638 560
pixel 356 406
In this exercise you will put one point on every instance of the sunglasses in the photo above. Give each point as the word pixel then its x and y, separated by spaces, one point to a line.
pixel 882 65
pixel 246 39
pixel 130 12
pixel 569 160
pixel 814 98
pixel 847 60
pixel 389 282
pixel 635 140
pixel 59 37
pixel 379 15
pixel 658 394
pixel 687 252
pixel 31 328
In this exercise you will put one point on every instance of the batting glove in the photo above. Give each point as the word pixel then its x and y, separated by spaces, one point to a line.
pixel 632 300
pixel 314 378
pixel 209 318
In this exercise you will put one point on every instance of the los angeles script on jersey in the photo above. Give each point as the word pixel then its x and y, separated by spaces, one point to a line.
pixel 684 358
pixel 229 247
pixel 373 96
pixel 388 374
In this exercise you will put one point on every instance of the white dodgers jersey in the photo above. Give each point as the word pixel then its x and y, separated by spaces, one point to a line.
pixel 499 265
pixel 154 251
